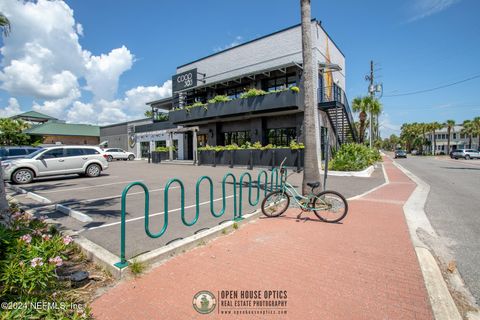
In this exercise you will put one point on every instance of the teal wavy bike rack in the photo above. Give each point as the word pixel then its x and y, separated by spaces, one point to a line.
pixel 237 215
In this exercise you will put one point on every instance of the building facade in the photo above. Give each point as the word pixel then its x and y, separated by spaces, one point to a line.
pixel 458 140
pixel 251 93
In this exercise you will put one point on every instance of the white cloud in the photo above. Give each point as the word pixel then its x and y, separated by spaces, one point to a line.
pixel 43 59
pixel 12 109
pixel 387 127
pixel 131 106
pixel 79 29
pixel 57 107
pixel 235 42
pixel 104 71
pixel 424 8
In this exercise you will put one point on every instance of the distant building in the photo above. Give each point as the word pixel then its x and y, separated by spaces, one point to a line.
pixel 458 140
pixel 54 131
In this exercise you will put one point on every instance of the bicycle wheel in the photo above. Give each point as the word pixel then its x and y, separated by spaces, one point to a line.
pixel 275 203
pixel 329 206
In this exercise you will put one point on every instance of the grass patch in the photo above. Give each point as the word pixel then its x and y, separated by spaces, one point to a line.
pixel 235 226
pixel 137 267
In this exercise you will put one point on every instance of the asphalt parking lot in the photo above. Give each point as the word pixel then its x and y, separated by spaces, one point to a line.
pixel 100 199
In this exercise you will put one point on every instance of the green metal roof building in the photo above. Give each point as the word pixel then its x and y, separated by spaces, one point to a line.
pixel 54 131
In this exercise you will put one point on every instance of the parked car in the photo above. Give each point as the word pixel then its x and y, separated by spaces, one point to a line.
pixel 50 161
pixel 117 154
pixel 400 154
pixel 465 154
pixel 7 153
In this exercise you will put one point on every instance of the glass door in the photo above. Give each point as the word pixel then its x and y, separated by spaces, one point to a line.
pixel 144 149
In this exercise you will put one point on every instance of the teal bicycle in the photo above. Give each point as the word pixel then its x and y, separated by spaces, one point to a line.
pixel 328 206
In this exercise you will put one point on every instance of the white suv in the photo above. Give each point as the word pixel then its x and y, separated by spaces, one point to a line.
pixel 51 161
pixel 115 153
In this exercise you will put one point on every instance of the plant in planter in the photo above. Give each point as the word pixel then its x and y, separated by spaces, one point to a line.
pixel 295 89
pixel 219 98
pixel 296 146
pixel 354 157
pixel 252 93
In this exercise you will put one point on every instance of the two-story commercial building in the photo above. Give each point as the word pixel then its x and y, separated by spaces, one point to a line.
pixel 213 102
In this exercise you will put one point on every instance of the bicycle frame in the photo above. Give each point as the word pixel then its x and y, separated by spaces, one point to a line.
pixel 293 193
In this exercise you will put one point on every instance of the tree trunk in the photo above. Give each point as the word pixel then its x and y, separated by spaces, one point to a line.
pixel 311 172
pixel 434 143
pixel 4 208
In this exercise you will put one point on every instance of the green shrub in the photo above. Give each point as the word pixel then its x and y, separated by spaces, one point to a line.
pixel 295 89
pixel 257 145
pixel 296 146
pixel 252 93
pixel 165 149
pixel 219 98
pixel 354 157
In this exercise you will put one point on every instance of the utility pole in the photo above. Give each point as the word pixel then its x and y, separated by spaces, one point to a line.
pixel 371 89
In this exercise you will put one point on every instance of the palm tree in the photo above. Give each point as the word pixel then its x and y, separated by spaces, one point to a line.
pixel 4 24
pixel 468 130
pixel 450 124
pixel 366 105
pixel 311 170
pixel 4 207
pixel 476 129
pixel 359 105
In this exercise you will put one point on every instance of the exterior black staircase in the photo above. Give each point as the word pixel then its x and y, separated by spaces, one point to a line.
pixel 333 101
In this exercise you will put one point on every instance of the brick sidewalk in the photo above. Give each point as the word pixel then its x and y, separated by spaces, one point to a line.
pixel 363 268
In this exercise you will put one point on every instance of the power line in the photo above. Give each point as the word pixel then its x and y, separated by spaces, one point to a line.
pixel 435 88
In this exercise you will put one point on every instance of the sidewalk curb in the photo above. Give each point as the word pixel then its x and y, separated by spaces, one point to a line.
pixel 29 194
pixel 80 216
pixel 443 305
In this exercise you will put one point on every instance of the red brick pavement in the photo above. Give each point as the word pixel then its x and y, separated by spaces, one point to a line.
pixel 363 268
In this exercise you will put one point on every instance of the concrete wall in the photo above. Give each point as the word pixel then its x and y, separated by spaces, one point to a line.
pixel 72 140
pixel 277 49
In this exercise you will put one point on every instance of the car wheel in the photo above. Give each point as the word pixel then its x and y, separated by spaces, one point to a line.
pixel 467 157
pixel 93 170
pixel 22 176
pixel 131 157
pixel 109 158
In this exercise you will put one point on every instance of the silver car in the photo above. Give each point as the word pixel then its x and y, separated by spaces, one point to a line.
pixel 58 160
pixel 466 154
pixel 117 154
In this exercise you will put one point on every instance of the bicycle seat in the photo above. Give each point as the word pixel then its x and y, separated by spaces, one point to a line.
pixel 313 185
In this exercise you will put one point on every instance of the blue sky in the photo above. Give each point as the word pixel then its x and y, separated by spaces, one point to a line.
pixel 109 56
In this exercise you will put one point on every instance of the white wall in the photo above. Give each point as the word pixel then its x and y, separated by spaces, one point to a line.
pixel 277 49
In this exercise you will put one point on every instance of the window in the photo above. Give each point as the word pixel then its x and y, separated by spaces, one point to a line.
pixel 73 152
pixel 237 137
pixel 31 150
pixel 53 153
pixel 281 136
pixel 280 83
pixel 17 152
pixel 89 151
pixel 454 136
pixel 160 143
pixel 234 93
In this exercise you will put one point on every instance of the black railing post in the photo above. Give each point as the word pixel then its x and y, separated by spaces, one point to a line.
pixel 273 158
pixel 214 158
pixel 232 152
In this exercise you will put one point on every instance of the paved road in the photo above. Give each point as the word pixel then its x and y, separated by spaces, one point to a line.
pixel 100 199
pixel 453 207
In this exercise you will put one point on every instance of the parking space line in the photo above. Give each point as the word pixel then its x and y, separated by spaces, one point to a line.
pixel 87 187
pixel 117 196
pixel 152 215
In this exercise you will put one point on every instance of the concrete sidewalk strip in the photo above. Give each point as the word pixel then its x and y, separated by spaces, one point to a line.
pixel 362 268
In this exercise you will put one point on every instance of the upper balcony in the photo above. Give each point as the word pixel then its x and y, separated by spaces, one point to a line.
pixel 285 100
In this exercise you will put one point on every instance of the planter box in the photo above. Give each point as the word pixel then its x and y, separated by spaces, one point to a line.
pixel 284 100
pixel 263 158
pixel 158 156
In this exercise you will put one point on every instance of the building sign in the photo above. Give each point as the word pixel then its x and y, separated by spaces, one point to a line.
pixel 184 80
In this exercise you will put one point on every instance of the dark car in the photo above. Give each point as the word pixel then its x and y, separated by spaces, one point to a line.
pixel 400 154
pixel 8 153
